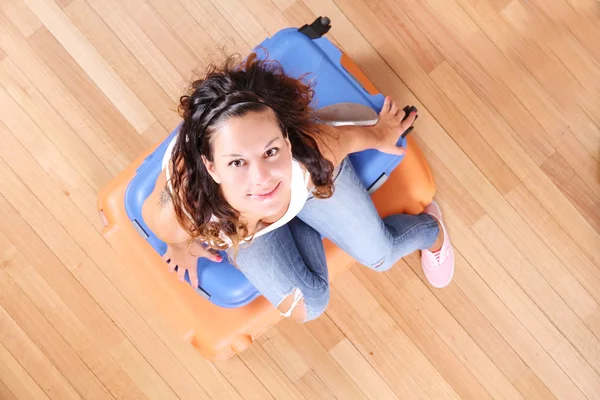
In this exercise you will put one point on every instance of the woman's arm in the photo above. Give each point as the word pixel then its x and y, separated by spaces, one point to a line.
pixel 182 253
pixel 158 213
pixel 338 142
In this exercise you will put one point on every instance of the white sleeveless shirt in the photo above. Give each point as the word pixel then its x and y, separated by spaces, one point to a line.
pixel 298 186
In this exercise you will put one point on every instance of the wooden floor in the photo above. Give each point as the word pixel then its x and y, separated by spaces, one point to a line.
pixel 509 93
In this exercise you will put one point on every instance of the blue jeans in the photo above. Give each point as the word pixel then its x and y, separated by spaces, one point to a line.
pixel 292 257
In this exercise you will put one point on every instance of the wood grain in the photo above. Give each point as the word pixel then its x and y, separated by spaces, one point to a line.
pixel 507 92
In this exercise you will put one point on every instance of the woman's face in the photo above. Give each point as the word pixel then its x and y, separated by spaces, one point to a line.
pixel 252 162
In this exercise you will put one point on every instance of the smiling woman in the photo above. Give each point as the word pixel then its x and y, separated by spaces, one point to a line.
pixel 245 129
pixel 252 158
pixel 255 175
pixel 253 172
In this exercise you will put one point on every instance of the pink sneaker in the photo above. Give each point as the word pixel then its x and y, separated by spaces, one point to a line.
pixel 438 266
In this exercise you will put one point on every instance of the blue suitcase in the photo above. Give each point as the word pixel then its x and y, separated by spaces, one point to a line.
pixel 299 53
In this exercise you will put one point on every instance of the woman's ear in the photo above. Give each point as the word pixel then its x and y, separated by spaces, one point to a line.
pixel 210 167
pixel 287 141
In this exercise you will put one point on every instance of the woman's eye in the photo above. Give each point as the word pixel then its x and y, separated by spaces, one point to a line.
pixel 236 163
pixel 272 152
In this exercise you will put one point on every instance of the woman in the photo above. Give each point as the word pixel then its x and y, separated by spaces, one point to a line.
pixel 251 171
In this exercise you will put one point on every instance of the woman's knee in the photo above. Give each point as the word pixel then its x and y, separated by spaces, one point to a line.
pixel 295 312
pixel 380 263
pixel 302 307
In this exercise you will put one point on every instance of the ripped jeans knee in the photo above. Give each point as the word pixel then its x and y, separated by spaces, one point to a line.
pixel 304 307
pixel 296 299
pixel 380 265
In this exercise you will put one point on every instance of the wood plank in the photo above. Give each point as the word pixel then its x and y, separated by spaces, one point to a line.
pixel 558 41
pixel 326 332
pixel 59 169
pixel 550 303
pixel 581 267
pixel 188 30
pixel 480 324
pixel 386 360
pixel 516 78
pixel 482 68
pixel 95 280
pixel 526 19
pixel 361 372
pixel 585 166
pixel 242 20
pixel 531 175
pixel 124 26
pixel 5 393
pixel 53 346
pixel 282 5
pixel 293 365
pixel 523 272
pixel 539 61
pixel 113 123
pixel 358 297
pixel 284 355
pixel 588 135
pixel 508 309
pixel 593 321
pixel 29 356
pixel 500 64
pixel 244 381
pixel 441 339
pixel 155 134
pixel 54 97
pixel 509 124
pixel 313 387
pixel 275 381
pixel 44 117
pixel 162 36
pixel 20 16
pixel 16 379
pixel 92 62
pixel 532 388
pixel 72 330
pixel 579 17
pixel 385 345
pixel 453 191
pixel 319 360
pixel 96 319
pixel 220 30
pixel 271 19
pixel 546 68
pixel 22 236
pixel 417 44
pixel 578 193
pixel 124 61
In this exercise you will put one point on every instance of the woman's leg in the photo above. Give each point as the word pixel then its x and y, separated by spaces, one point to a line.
pixel 351 221
pixel 286 261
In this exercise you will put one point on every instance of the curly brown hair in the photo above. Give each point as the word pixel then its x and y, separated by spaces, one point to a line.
pixel 235 89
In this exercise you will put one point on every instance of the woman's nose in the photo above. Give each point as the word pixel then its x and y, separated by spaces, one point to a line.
pixel 260 174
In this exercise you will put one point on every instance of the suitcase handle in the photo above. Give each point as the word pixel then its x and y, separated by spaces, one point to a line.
pixel 317 29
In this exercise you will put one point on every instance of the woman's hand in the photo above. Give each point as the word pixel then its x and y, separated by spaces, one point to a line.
pixel 390 127
pixel 183 258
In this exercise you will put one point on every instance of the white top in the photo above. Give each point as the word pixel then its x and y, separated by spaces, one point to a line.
pixel 299 193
